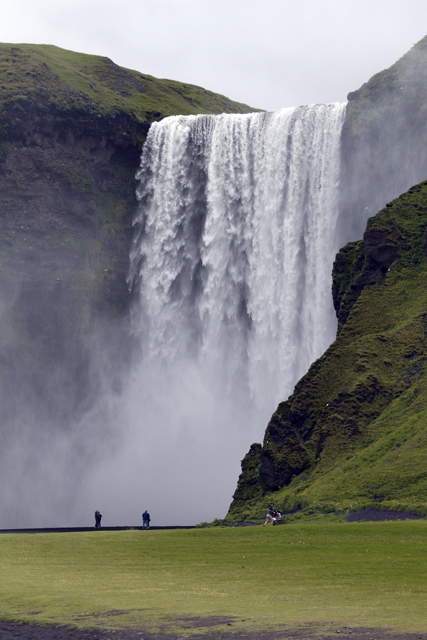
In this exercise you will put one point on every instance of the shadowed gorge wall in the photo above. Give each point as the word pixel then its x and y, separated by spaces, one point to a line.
pixel 72 128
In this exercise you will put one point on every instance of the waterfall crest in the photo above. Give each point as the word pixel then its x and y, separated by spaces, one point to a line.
pixel 235 241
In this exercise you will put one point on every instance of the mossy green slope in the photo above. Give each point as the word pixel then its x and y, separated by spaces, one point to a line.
pixel 354 431
pixel 89 83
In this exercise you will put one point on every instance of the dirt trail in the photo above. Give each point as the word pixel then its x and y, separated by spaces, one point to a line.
pixel 19 631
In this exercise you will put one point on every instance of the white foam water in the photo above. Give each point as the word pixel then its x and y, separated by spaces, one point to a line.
pixel 231 273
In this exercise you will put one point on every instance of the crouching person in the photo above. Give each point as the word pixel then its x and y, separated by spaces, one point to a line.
pixel 270 515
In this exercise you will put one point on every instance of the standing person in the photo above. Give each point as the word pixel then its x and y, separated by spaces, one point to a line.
pixel 98 517
pixel 146 520
pixel 270 515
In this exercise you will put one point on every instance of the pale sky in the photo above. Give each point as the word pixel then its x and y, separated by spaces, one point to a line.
pixel 267 53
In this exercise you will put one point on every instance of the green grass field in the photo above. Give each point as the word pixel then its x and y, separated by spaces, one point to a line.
pixel 361 574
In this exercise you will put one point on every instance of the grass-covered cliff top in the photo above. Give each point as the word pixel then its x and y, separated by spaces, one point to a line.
pixel 354 432
pixel 65 79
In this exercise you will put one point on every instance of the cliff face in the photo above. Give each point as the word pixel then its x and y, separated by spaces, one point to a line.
pixel 335 438
pixel 383 140
pixel 66 213
pixel 354 428
pixel 71 131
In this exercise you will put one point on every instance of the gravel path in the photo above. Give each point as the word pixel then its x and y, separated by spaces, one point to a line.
pixel 17 631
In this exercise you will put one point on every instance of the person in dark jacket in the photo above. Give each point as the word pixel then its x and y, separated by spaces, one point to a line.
pixel 146 520
pixel 98 517
pixel 270 515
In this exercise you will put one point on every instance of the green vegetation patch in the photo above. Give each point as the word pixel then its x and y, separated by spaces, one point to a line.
pixel 65 80
pixel 362 574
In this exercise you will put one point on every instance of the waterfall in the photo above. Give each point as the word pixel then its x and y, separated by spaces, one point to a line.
pixel 231 273
pixel 235 241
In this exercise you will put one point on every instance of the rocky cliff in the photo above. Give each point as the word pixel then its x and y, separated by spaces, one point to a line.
pixel 383 140
pixel 71 131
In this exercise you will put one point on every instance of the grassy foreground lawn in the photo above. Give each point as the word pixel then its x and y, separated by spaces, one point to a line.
pixel 361 574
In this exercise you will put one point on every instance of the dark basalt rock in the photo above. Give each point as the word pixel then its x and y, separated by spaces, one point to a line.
pixel 379 249
pixel 248 487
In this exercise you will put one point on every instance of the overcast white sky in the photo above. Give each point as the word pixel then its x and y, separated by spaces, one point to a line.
pixel 266 53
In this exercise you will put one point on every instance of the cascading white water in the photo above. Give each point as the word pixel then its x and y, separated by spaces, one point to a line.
pixel 235 242
pixel 231 270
